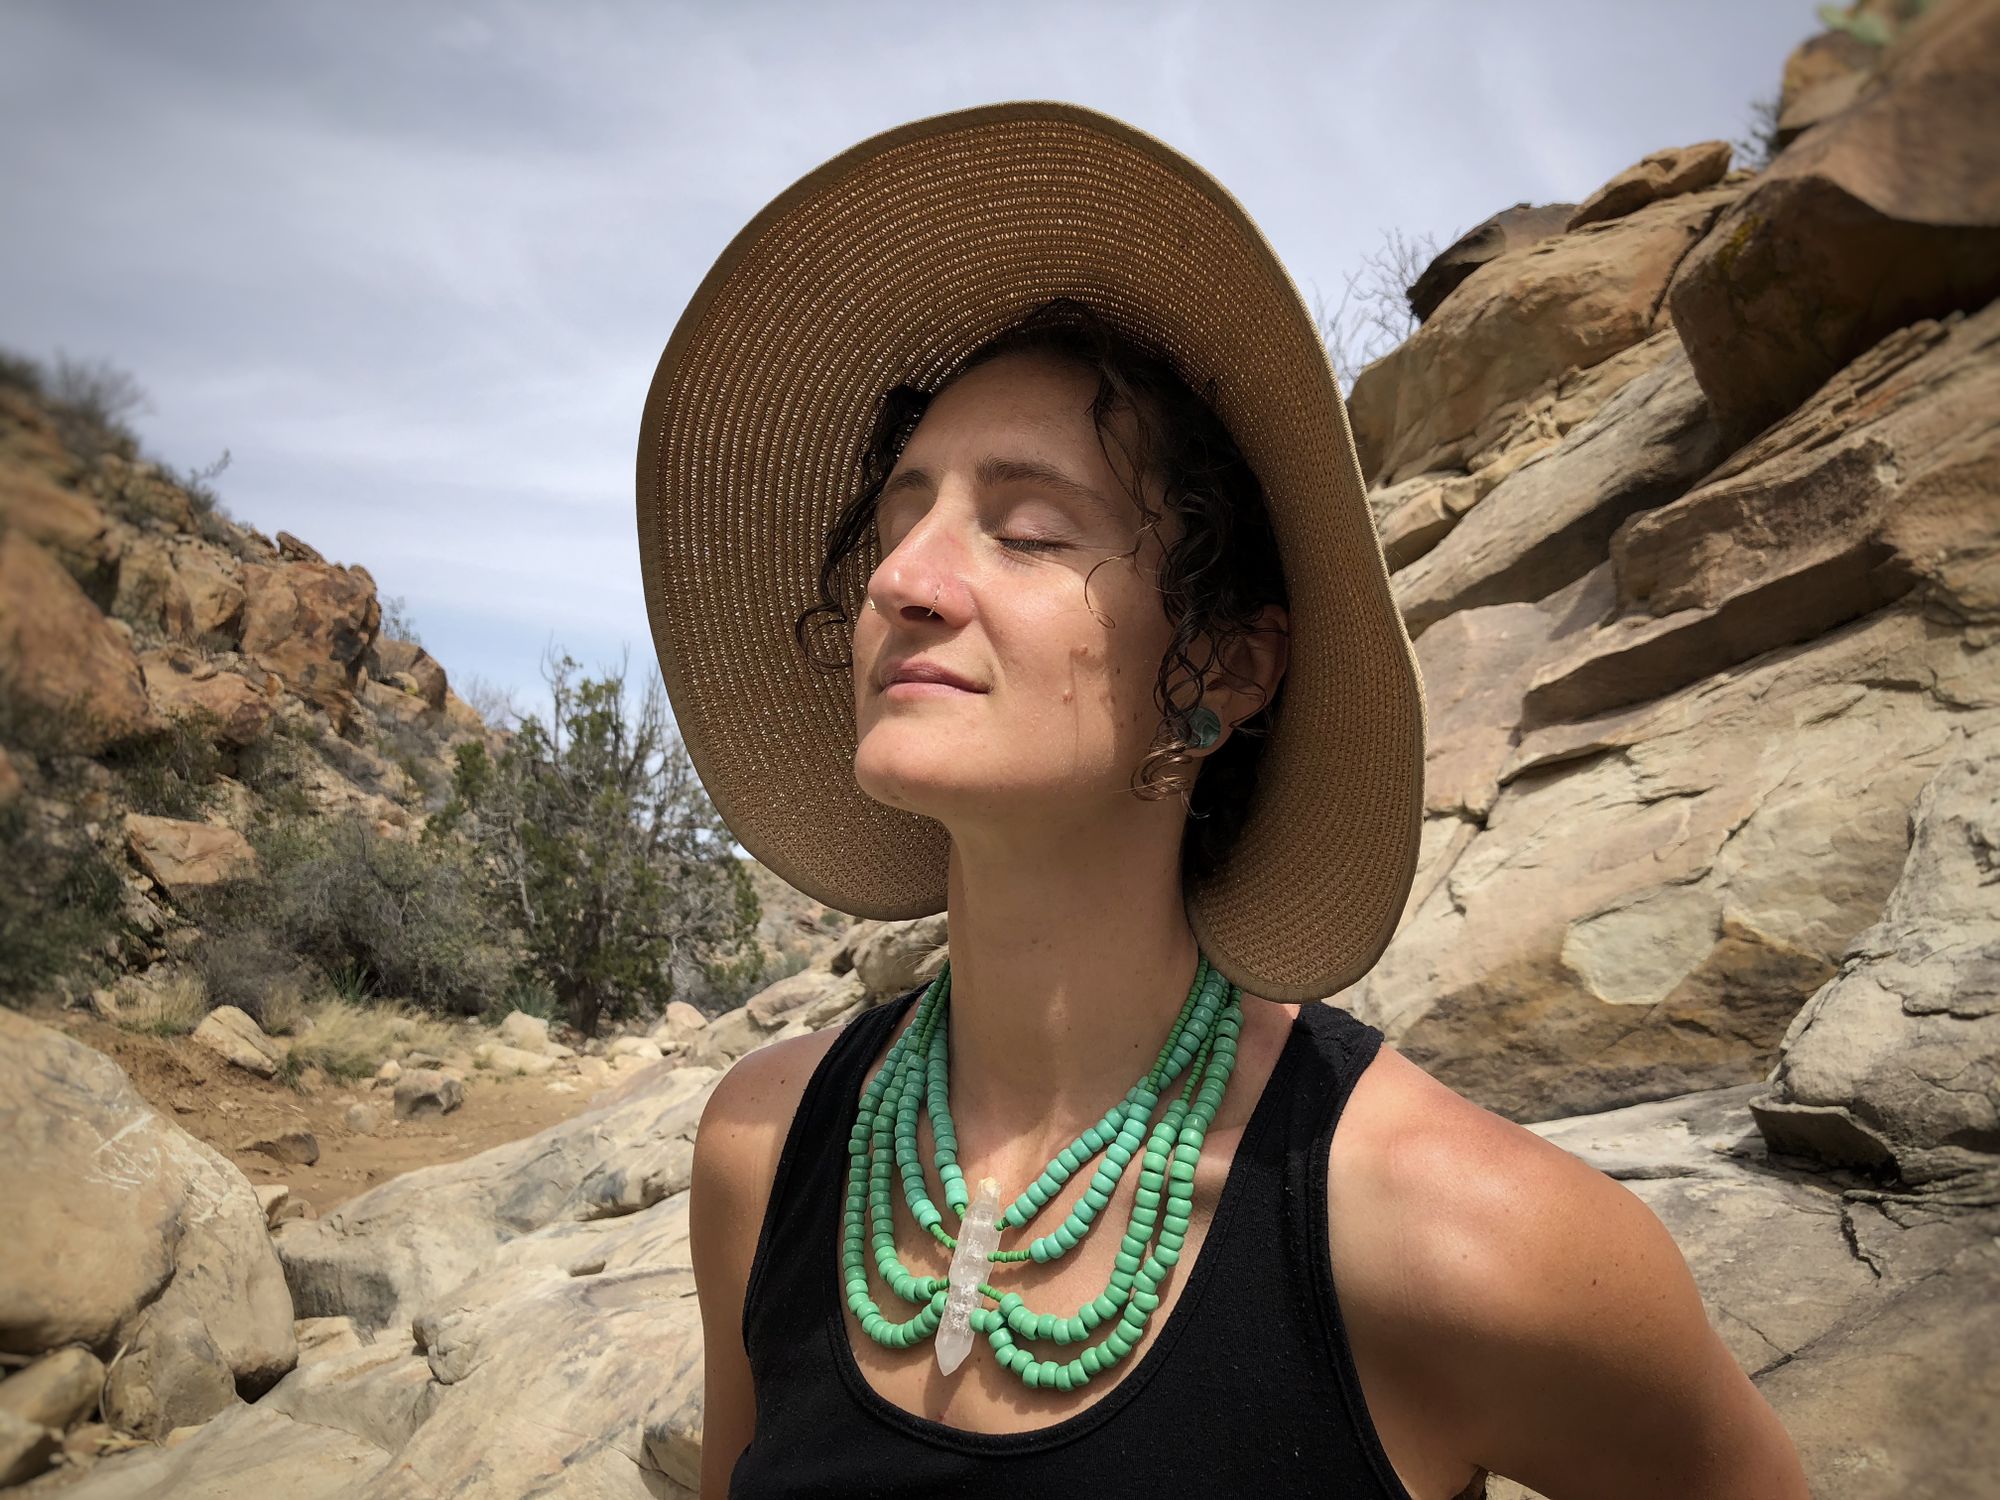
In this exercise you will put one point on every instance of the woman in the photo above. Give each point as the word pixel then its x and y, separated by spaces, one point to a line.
pixel 1094 650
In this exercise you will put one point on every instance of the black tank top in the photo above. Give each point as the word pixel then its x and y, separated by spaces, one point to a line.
pixel 1204 1413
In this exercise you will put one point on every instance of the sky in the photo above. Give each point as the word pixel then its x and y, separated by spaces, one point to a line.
pixel 412 264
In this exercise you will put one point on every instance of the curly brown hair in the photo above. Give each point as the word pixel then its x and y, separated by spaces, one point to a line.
pixel 1214 578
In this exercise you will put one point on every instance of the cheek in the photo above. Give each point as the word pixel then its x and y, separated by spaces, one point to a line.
pixel 1100 678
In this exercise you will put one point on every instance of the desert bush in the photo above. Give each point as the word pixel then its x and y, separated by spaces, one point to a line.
pixel 383 918
pixel 252 969
pixel 91 402
pixel 598 842
pixel 350 1041
pixel 171 773
pixel 60 901
pixel 1373 314
pixel 275 765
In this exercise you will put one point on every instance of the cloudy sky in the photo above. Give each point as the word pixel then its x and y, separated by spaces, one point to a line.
pixel 412 264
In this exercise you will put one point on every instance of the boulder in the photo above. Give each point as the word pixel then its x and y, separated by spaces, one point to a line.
pixel 180 684
pixel 678 1026
pixel 67 525
pixel 641 1047
pixel 529 1033
pixel 1551 521
pixel 891 958
pixel 502 1058
pixel 61 658
pixel 1652 895
pixel 383 1256
pixel 150 593
pixel 777 1003
pixel 1896 1060
pixel 1513 228
pixel 295 1148
pixel 235 1037
pixel 1856 229
pixel 1414 516
pixel 128 1236
pixel 1850 1308
pixel 212 583
pixel 391 658
pixel 58 1390
pixel 431 1091
pixel 310 623
pixel 1528 319
pixel 1659 174
pixel 185 856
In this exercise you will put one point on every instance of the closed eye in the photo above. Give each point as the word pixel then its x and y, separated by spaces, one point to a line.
pixel 1031 544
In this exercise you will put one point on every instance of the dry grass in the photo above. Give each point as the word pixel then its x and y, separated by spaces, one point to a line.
pixel 349 1041
pixel 172 1006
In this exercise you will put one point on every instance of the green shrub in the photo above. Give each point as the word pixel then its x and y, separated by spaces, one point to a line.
pixel 172 773
pixel 374 917
pixel 597 840
pixel 59 908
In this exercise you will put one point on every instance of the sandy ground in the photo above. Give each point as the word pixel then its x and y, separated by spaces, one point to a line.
pixel 227 1108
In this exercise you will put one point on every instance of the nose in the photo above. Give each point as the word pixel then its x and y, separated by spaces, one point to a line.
pixel 923 577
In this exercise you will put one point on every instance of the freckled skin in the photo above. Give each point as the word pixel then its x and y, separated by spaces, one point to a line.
pixel 1069 710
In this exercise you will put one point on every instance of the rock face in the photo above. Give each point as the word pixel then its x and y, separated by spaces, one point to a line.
pixel 1663 174
pixel 182 855
pixel 1450 393
pixel 1896 1060
pixel 1887 212
pixel 310 622
pixel 61 657
pixel 128 1237
pixel 1511 229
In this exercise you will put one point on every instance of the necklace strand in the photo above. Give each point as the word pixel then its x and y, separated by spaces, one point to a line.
pixel 883 1140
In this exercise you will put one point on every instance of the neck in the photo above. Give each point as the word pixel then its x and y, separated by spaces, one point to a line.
pixel 1071 955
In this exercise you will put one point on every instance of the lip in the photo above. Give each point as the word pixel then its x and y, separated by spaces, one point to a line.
pixel 917 675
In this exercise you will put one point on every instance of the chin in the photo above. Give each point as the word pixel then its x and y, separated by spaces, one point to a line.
pixel 925 778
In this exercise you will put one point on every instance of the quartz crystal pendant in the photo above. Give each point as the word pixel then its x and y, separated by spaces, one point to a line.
pixel 978 1237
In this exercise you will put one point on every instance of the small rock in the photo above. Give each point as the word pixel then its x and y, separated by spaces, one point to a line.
pixel 529 1033
pixel 364 1118
pixel 425 1091
pixel 271 1197
pixel 234 1037
pixel 323 1336
pixel 502 1058
pixel 297 1148
pixel 637 1046
pixel 56 1390
pixel 389 1072
pixel 294 1208
pixel 25 1448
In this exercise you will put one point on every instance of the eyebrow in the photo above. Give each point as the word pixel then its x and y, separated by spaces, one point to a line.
pixel 997 471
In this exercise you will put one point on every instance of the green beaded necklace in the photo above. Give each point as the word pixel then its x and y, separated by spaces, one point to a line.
pixel 913 1075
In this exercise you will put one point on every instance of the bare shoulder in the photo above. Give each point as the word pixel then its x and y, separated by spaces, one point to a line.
pixel 749 1113
pixel 737 1144
pixel 1537 1309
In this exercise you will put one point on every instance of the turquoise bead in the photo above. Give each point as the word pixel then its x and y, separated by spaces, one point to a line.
pixel 1194 1061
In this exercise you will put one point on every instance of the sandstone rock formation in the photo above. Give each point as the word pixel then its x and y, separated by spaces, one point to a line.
pixel 1703 566
pixel 130 1239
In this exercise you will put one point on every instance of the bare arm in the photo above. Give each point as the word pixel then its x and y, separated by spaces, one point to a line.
pixel 1572 1344
pixel 736 1148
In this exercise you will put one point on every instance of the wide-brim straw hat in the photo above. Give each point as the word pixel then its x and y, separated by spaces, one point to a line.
pixel 889 264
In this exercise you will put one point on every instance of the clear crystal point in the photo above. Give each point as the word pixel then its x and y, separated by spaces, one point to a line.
pixel 978 1237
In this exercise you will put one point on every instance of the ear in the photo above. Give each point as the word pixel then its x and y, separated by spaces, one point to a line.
pixel 1247 676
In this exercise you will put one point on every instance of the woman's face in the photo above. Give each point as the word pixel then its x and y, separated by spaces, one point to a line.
pixel 1001 504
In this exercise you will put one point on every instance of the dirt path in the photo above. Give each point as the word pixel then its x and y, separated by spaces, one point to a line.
pixel 226 1107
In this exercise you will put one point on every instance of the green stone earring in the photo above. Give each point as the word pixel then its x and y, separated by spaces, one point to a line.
pixel 1204 728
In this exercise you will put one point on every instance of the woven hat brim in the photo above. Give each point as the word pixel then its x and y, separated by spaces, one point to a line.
pixel 889 264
